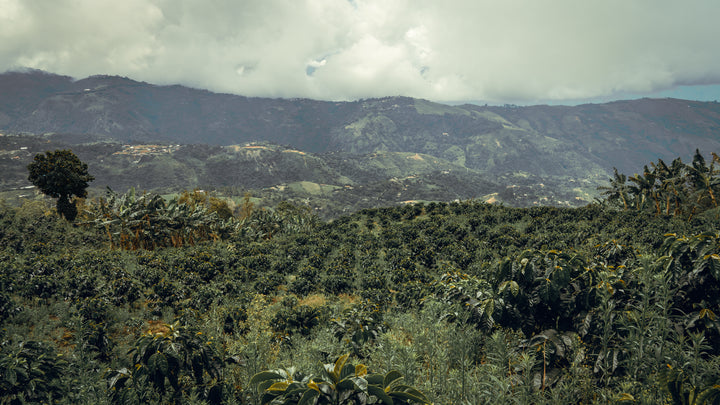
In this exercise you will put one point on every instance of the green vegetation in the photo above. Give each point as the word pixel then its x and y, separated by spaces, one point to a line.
pixel 60 175
pixel 341 383
pixel 427 107
pixel 677 189
pixel 189 299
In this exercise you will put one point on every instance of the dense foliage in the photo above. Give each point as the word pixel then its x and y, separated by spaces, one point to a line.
pixel 675 189
pixel 153 300
pixel 60 174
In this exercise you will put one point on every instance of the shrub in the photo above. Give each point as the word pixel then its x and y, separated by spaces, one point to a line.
pixel 341 383
pixel 171 363
pixel 32 373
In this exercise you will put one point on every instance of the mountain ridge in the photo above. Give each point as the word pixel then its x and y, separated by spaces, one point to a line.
pixel 575 147
pixel 131 111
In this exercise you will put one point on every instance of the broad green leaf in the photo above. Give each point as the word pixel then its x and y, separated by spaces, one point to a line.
pixel 120 377
pixel 278 386
pixel 514 288
pixel 375 379
pixel 157 363
pixel 309 397
pixel 360 383
pixel 347 371
pixel 313 385
pixel 264 376
pixel 339 364
pixel 391 377
pixel 488 307
pixel 345 385
pixel 380 394
pixel 295 388
pixel 268 397
pixel 706 312
pixel 415 392
pixel 326 388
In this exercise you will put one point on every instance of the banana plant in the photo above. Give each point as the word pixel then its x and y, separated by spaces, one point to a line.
pixel 618 191
pixel 147 221
pixel 672 179
pixel 704 179
pixel 341 384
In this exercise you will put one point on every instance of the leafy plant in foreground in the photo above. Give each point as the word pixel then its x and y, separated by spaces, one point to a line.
pixel 31 371
pixel 174 357
pixel 341 383
pixel 682 392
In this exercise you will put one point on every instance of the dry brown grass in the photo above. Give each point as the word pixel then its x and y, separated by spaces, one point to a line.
pixel 314 300
pixel 157 327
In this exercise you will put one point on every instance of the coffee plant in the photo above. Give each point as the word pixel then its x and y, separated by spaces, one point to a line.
pixel 177 299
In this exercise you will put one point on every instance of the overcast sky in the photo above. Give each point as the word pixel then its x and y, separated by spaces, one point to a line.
pixel 496 51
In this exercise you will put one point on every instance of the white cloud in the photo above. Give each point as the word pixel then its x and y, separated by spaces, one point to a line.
pixel 519 50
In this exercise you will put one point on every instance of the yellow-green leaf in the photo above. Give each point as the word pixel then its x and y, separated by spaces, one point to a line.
pixel 313 385
pixel 279 386
pixel 360 370
pixel 339 364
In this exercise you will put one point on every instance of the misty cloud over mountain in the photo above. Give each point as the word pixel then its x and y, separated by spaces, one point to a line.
pixel 511 51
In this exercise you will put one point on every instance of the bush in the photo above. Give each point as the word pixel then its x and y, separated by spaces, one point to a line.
pixel 32 373
pixel 171 363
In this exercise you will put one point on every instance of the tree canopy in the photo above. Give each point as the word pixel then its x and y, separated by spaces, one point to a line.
pixel 60 174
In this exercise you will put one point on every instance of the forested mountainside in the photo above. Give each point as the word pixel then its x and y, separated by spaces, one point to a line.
pixel 338 157
pixel 543 140
pixel 148 300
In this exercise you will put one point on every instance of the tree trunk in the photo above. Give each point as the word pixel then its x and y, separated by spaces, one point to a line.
pixel 66 208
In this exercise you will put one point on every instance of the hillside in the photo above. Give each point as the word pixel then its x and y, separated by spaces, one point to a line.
pixel 554 155
pixel 142 301
pixel 330 183
pixel 207 297
pixel 595 134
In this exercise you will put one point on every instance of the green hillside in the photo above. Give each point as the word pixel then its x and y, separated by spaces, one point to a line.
pixel 178 299
pixel 349 182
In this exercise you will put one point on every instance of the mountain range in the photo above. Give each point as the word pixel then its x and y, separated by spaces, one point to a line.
pixel 558 154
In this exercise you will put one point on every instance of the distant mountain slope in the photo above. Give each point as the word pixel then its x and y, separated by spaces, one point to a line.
pixel 573 148
pixel 332 183
pixel 623 133
pixel 131 111
pixel 613 134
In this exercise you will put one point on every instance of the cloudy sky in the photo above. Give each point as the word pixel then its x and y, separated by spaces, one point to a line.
pixel 519 51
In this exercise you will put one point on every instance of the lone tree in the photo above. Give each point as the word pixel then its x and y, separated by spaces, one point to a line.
pixel 60 175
